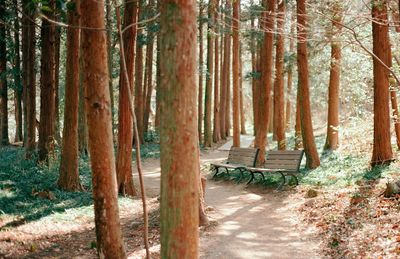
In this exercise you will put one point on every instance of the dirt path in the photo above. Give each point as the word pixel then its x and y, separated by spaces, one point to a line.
pixel 251 223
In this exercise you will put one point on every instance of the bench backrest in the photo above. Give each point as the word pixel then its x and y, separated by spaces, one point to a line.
pixel 242 156
pixel 288 160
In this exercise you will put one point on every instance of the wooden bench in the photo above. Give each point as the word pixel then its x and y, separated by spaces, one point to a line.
pixel 238 159
pixel 279 162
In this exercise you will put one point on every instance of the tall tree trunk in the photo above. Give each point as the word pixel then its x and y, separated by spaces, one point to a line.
pixel 332 136
pixel 254 79
pixel 158 82
pixel 217 120
pixel 241 105
pixel 310 148
pixel 69 173
pixel 279 84
pixel 235 73
pixel 94 53
pixel 201 71
pixel 47 86
pixel 209 75
pixel 395 106
pixel 57 45
pixel 3 78
pixel 222 100
pixel 29 76
pixel 290 73
pixel 82 122
pixel 109 21
pixel 139 99
pixel 17 78
pixel 227 66
pixel 125 123
pixel 266 79
pixel 178 130
pixel 382 149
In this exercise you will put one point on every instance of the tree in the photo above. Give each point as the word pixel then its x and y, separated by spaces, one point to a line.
pixel 178 130
pixel 94 53
pixel 290 73
pixel 17 77
pixel 266 79
pixel 235 73
pixel 241 105
pixel 393 101
pixel 201 72
pixel 227 66
pixel 222 100
pixel 279 88
pixel 332 136
pixel 47 85
pixel 57 46
pixel 216 120
pixel 209 75
pixel 3 78
pixel 29 76
pixel 382 149
pixel 69 173
pixel 310 148
pixel 139 97
pixel 125 123
pixel 82 122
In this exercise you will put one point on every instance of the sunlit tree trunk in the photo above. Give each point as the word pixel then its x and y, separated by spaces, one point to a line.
pixel 201 70
pixel 17 78
pixel 47 86
pixel 69 173
pixel 109 21
pixel 29 76
pixel 310 148
pixel 241 104
pixel 217 114
pixel 235 73
pixel 3 78
pixel 266 79
pixel 178 130
pixel 227 66
pixel 382 149
pixel 209 75
pixel 279 84
pixel 290 74
pixel 125 123
pixel 222 100
pixel 98 107
pixel 332 136
pixel 254 70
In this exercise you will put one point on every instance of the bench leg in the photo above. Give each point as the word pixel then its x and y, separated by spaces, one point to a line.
pixel 262 175
pixel 283 181
pixel 251 177
pixel 295 178
pixel 216 169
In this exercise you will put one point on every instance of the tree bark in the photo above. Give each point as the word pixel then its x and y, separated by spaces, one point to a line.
pixel 332 136
pixel 227 65
pixel 82 122
pixel 57 45
pixel 125 123
pixel 3 78
pixel 178 130
pixel 241 105
pixel 310 148
pixel 222 80
pixel 266 80
pixel 254 79
pixel 94 52
pixel 109 21
pixel 394 103
pixel 17 78
pixel 382 149
pixel 139 98
pixel 279 84
pixel 47 86
pixel 290 74
pixel 217 120
pixel 201 71
pixel 235 73
pixel 69 173
pixel 209 75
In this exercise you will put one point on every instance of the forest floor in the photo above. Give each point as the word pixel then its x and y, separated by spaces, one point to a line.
pixel 336 211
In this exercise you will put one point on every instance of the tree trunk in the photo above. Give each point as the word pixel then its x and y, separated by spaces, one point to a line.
pixel 235 73
pixel 266 80
pixel 254 79
pixel 332 136
pixel 227 64
pixel 382 149
pixel 201 71
pixel 17 78
pixel 158 83
pixel 209 75
pixel 125 123
pixel 94 52
pixel 279 84
pixel 109 22
pixel 47 86
pixel 395 107
pixel 290 73
pixel 222 100
pixel 82 122
pixel 69 173
pixel 217 120
pixel 241 105
pixel 139 104
pixel 310 148
pixel 57 133
pixel 178 130
pixel 3 78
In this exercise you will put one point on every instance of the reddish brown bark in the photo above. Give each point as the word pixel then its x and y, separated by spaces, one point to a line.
pixel 178 129
pixel 382 149
pixel 266 79
pixel 109 26
pixel 29 77
pixel 332 136
pixel 139 97
pixel 47 86
pixel 310 148
pixel 222 100
pixel 3 78
pixel 201 72
pixel 209 76
pixel 227 66
pixel 279 84
pixel 69 174
pixel 235 73
pixel 82 122
pixel 94 52
pixel 217 120
pixel 125 123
